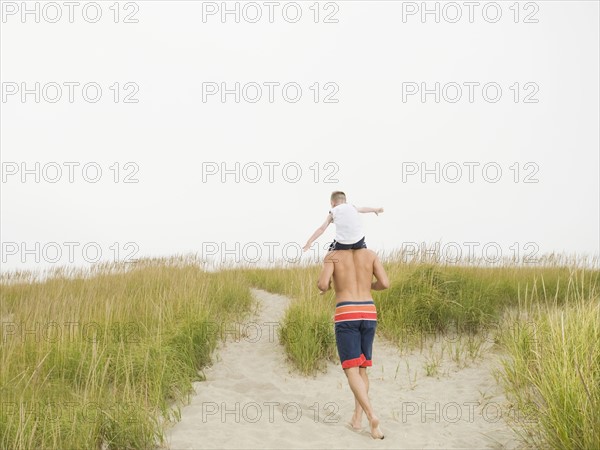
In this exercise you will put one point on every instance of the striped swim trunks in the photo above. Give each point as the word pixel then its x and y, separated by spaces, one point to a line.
pixel 355 324
pixel 345 311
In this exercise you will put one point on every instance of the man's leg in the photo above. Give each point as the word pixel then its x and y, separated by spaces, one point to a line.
pixel 367 334
pixel 358 411
pixel 359 389
pixel 349 342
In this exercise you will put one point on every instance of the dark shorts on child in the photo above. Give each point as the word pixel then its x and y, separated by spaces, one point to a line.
pixel 355 324
pixel 335 245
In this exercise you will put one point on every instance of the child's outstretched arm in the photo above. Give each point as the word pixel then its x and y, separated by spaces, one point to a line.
pixel 367 209
pixel 318 232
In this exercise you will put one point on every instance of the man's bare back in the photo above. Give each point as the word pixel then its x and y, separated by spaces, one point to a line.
pixel 353 272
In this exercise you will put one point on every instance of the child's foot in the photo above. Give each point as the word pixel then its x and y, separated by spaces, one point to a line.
pixel 376 432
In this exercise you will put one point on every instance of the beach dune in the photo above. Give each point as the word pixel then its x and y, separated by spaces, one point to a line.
pixel 252 398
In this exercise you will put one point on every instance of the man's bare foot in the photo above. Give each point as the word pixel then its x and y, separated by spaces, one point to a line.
pixel 376 432
pixel 356 423
pixel 352 428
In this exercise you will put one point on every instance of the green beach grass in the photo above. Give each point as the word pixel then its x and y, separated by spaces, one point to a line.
pixel 552 367
pixel 306 330
pixel 97 360
pixel 102 358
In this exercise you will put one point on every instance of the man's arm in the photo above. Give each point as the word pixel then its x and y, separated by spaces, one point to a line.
pixel 367 209
pixel 318 232
pixel 382 279
pixel 324 282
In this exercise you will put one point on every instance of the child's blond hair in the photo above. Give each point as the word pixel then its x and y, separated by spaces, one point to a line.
pixel 338 197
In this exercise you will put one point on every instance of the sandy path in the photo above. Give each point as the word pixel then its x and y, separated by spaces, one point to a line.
pixel 251 399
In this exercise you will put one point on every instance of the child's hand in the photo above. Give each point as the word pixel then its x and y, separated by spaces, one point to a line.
pixel 378 211
pixel 305 248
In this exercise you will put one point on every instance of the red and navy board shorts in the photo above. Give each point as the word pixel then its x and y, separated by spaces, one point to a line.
pixel 355 324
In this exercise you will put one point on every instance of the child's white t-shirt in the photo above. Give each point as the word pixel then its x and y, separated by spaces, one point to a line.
pixel 348 228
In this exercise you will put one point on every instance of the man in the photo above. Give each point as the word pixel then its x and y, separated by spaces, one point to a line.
pixel 355 320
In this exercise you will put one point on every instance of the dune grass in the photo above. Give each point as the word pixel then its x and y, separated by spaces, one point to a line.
pixel 94 360
pixel 306 330
pixel 425 299
pixel 552 368
pixel 98 359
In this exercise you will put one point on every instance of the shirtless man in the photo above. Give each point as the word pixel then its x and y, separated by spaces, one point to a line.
pixel 355 321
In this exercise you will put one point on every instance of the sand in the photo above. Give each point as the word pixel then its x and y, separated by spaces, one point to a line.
pixel 252 398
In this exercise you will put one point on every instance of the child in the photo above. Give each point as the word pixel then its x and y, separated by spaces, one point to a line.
pixel 349 234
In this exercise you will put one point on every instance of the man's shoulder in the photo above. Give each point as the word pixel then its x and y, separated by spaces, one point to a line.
pixel 339 256
pixel 367 254
pixel 366 251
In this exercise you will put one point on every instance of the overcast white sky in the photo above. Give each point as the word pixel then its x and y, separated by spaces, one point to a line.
pixel 543 126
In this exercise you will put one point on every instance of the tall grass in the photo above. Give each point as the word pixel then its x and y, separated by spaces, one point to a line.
pixel 423 299
pixel 427 298
pixel 90 360
pixel 97 359
pixel 552 369
pixel 306 330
